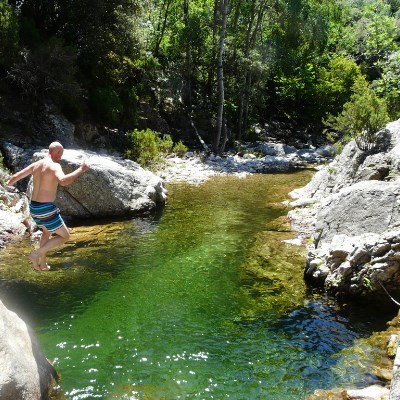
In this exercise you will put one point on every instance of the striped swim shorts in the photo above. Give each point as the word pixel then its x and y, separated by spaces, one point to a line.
pixel 46 215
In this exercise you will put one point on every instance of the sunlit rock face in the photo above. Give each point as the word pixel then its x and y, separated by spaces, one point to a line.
pixel 25 373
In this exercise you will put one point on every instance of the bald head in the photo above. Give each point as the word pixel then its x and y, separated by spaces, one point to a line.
pixel 56 151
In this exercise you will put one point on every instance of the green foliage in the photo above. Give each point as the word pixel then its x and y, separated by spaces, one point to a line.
pixel 389 84
pixel 165 145
pixel 294 60
pixel 8 33
pixel 107 104
pixel 334 84
pixel 142 147
pixel 148 148
pixel 371 35
pixel 179 149
pixel 46 73
pixel 367 282
pixel 362 116
pixel 31 37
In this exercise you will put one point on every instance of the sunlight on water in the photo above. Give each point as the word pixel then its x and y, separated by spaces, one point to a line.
pixel 203 301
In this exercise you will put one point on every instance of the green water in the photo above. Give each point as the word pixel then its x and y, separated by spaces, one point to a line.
pixel 203 301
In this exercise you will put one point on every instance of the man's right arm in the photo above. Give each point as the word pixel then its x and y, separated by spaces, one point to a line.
pixel 20 175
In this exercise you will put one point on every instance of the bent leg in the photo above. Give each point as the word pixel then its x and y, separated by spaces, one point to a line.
pixel 43 240
pixel 34 256
pixel 45 236
pixel 61 236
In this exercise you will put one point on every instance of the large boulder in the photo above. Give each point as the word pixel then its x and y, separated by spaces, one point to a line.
pixel 354 165
pixel 367 206
pixel 111 187
pixel 25 373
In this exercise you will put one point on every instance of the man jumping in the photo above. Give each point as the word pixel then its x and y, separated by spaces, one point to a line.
pixel 47 175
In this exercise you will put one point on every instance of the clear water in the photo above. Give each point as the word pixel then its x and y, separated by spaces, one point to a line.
pixel 203 301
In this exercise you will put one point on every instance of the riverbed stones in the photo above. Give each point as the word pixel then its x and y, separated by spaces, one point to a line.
pixel 252 158
pixel 374 392
pixel 25 373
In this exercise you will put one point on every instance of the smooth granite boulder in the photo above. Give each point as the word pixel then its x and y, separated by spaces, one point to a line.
pixel 25 373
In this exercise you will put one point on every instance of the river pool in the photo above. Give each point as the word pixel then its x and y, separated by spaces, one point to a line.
pixel 203 300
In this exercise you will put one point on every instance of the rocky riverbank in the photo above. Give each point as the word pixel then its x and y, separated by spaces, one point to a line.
pixel 350 209
pixel 259 157
pixel 348 217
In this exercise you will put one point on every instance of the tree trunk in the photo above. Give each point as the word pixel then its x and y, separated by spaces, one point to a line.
pixel 224 138
pixel 237 14
pixel 220 76
pixel 243 108
pixel 166 5
pixel 211 70
pixel 247 90
pixel 187 74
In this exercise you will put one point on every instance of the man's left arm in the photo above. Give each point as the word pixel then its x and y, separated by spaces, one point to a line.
pixel 65 180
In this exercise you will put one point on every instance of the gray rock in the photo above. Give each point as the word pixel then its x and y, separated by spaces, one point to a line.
pixel 17 158
pixel 53 126
pixel 367 206
pixel 341 247
pixel 374 392
pixel 14 215
pixel 25 373
pixel 265 149
pixel 327 151
pixel 374 167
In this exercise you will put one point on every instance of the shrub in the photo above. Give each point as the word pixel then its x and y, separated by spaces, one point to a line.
pixel 142 146
pixel 179 149
pixel 165 145
pixel 361 117
pixel 148 148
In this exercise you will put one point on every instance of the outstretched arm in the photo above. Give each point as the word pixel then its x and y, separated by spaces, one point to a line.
pixel 65 180
pixel 20 175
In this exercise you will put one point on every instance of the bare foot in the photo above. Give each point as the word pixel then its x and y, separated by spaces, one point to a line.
pixel 34 257
pixel 45 268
